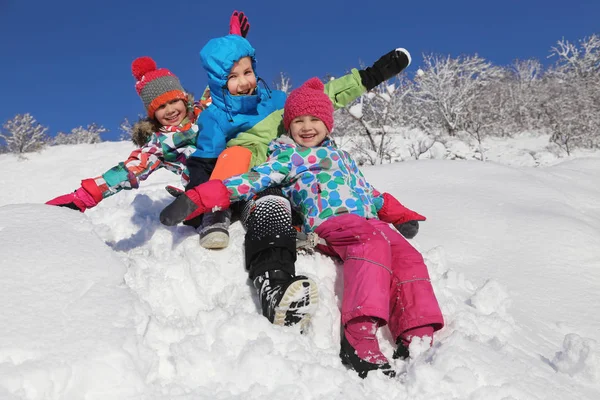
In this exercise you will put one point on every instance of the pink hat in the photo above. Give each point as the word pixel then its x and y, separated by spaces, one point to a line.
pixel 309 99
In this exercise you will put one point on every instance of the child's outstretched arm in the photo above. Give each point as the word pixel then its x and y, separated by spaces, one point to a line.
pixel 126 175
pixel 214 193
pixel 342 91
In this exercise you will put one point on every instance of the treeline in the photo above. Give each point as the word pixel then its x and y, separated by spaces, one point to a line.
pixel 448 96
pixel 468 95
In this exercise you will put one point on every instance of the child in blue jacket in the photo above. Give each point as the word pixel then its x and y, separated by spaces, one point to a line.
pixel 247 116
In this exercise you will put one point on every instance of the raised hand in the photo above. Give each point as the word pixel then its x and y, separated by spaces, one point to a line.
pixel 238 24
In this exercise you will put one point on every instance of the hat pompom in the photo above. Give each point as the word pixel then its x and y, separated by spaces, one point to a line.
pixel 141 66
pixel 309 99
pixel 314 83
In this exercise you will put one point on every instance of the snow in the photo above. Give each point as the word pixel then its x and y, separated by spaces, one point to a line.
pixel 356 110
pixel 110 304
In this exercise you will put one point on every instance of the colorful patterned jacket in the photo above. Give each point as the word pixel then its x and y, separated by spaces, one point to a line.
pixel 320 182
pixel 251 121
pixel 169 148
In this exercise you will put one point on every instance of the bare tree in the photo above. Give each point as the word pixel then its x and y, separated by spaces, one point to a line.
pixel 580 61
pixel 284 83
pixel 446 86
pixel 80 135
pixel 375 116
pixel 23 134
pixel 524 84
pixel 572 100
pixel 126 129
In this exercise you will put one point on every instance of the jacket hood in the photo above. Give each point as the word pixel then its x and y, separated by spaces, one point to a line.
pixel 218 57
pixel 142 131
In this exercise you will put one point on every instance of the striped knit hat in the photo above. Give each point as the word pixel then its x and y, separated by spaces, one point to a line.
pixel 155 86
pixel 309 99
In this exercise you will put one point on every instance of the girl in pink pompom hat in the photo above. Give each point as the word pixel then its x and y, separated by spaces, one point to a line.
pixel 385 278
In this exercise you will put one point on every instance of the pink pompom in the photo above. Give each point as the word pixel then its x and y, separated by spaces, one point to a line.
pixel 141 66
pixel 315 83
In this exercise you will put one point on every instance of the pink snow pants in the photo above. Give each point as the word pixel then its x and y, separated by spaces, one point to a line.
pixel 384 276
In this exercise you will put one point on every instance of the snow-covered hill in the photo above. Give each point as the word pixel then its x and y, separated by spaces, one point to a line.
pixel 110 304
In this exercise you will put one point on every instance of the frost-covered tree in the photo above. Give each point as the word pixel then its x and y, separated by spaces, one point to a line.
pixel 23 134
pixel 524 85
pixel 485 116
pixel 579 61
pixel 81 135
pixel 446 86
pixel 126 129
pixel 284 83
pixel 372 118
pixel 571 102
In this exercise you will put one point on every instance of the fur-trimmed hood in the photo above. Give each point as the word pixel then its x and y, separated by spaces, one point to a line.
pixel 142 131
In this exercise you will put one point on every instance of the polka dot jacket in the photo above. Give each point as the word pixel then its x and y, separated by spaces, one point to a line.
pixel 321 182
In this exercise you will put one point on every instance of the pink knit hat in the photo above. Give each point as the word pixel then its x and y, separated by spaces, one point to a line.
pixel 309 99
pixel 156 86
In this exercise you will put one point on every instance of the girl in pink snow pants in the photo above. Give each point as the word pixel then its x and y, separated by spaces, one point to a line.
pixel 385 282
pixel 385 278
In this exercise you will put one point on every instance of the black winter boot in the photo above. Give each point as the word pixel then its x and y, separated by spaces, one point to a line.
pixel 214 231
pixel 287 300
pixel 385 68
pixel 362 367
pixel 401 351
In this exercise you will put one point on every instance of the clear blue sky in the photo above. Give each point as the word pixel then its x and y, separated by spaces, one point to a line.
pixel 67 62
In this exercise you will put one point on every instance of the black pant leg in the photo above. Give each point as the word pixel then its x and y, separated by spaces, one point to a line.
pixel 200 170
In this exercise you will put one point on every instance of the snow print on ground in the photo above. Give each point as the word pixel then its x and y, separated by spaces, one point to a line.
pixel 110 304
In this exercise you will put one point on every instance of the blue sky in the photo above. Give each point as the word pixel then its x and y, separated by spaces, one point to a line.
pixel 68 62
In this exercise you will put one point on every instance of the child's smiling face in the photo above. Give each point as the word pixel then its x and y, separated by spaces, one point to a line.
pixel 308 131
pixel 241 79
pixel 171 113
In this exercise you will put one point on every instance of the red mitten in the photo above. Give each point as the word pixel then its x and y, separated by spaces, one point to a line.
pixel 87 196
pixel 238 24
pixel 196 201
pixel 394 212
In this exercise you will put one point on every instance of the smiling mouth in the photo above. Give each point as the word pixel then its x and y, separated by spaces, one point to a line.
pixel 245 93
pixel 172 118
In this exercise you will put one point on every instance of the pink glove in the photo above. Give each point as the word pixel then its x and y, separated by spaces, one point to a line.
pixel 238 24
pixel 196 201
pixel 87 196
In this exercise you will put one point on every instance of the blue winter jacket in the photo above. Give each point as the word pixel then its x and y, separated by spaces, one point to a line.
pixel 228 116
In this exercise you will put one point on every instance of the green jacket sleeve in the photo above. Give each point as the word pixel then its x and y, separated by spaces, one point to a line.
pixel 342 91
